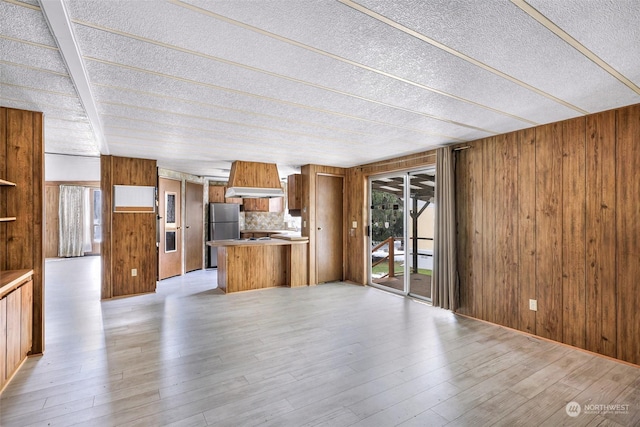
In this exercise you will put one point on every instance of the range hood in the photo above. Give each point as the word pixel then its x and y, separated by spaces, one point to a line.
pixel 254 180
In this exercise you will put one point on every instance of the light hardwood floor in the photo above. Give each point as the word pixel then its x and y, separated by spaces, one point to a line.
pixel 329 355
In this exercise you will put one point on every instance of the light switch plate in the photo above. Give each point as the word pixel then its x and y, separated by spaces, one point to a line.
pixel 533 304
pixel 134 271
pixel 354 224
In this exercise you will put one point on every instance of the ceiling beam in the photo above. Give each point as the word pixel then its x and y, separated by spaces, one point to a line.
pixel 57 18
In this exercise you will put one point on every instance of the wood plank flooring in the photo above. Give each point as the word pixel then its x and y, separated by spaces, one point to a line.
pixel 329 355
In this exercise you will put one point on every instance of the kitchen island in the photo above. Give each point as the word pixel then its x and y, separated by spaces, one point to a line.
pixel 256 264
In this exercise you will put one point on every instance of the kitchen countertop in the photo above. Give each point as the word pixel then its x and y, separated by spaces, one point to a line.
pixel 267 242
pixel 271 231
pixel 11 279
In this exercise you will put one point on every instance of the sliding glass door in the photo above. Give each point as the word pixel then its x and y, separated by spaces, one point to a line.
pixel 402 220
pixel 422 220
pixel 387 232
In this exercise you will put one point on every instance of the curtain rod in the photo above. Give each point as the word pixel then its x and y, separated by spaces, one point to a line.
pixel 391 162
pixel 462 148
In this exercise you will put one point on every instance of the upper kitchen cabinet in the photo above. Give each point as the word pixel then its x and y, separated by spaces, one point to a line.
pixel 216 195
pixel 275 204
pixel 294 194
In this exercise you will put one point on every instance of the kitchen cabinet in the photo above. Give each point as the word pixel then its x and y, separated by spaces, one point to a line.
pixel 274 262
pixel 294 194
pixel 274 204
pixel 216 193
pixel 16 312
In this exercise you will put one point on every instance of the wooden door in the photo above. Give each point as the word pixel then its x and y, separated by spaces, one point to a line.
pixel 52 231
pixel 26 322
pixel 14 307
pixel 329 236
pixel 194 228
pixel 170 254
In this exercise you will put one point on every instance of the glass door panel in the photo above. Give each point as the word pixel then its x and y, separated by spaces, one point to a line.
pixel 387 230
pixel 421 223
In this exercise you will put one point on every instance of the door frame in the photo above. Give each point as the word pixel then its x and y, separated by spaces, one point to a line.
pixel 370 282
pixel 406 176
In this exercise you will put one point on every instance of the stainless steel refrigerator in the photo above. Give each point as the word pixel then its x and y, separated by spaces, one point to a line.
pixel 223 225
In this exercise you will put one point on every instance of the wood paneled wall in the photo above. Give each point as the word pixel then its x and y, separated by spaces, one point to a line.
pixel 356 250
pixel 549 213
pixel 552 214
pixel 128 239
pixel 357 209
pixel 21 241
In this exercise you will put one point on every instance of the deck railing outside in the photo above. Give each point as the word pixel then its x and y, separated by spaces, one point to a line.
pixel 389 258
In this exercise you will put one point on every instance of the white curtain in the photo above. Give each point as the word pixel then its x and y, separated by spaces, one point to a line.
pixel 72 221
pixel 445 284
pixel 86 229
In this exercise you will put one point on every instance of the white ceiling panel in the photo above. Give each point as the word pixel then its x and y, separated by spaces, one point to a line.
pixel 599 27
pixel 504 37
pixel 196 84
pixel 36 79
pixel 356 111
pixel 42 98
pixel 329 133
pixel 368 89
pixel 378 46
pixel 31 55
pixel 24 23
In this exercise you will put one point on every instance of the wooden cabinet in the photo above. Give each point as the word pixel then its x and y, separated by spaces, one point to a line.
pixel 14 306
pixel 21 238
pixel 16 323
pixel 26 314
pixel 256 205
pixel 217 192
pixel 294 194
pixel 3 342
pixel 274 204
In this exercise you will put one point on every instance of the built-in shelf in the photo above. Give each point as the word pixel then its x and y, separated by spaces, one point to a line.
pixel 7 183
pixel 7 219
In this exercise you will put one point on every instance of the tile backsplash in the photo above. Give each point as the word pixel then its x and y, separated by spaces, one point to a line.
pixel 262 221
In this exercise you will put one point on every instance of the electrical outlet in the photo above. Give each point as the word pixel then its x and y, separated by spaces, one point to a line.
pixel 533 304
pixel 354 224
pixel 134 271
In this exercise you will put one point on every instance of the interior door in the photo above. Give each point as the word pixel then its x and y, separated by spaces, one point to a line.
pixel 170 254
pixel 329 235
pixel 194 228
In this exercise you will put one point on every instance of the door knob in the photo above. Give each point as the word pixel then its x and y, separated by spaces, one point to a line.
pixel 319 228
pixel 188 226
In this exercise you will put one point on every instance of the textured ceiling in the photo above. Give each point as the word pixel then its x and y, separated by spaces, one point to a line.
pixel 196 84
